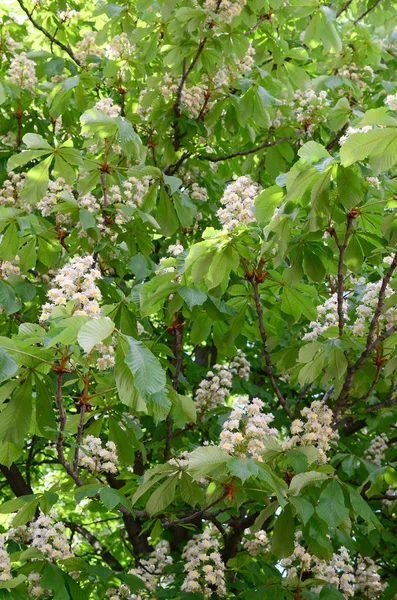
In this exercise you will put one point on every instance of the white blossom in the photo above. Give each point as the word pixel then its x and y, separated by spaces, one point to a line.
pixel 204 568
pixel 97 457
pixel 376 449
pixel 5 562
pixel 367 578
pixel 22 72
pixel 238 200
pixel 151 570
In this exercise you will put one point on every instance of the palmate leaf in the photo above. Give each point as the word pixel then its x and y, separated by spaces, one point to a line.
pixel 149 376
pixel 93 332
pixel 372 144
pixel 331 507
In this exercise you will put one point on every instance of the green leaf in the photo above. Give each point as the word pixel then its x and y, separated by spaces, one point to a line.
pixel 162 496
pixel 205 460
pixel 362 508
pixel 283 534
pixel 130 141
pixel 110 497
pixel 98 122
pixel 16 416
pixel 242 467
pixel 329 592
pixel 8 299
pixel 149 376
pixel 93 332
pixel 312 152
pixel 304 508
pixel 127 391
pixel 9 453
pixel 12 583
pixel 25 514
pixel 193 296
pixel 370 144
pixel 8 366
pixel 267 202
pixel 303 479
pixel 331 507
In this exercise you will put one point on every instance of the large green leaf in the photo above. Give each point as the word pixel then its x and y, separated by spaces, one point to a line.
pixel 371 144
pixel 93 332
pixel 149 376
pixel 331 507
pixel 8 366
pixel 205 460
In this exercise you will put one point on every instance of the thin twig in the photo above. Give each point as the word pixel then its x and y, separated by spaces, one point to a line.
pixel 262 18
pixel 83 408
pixel 344 7
pixel 196 515
pixel 268 360
pixel 342 250
pixel 96 544
pixel 265 144
pixel 48 35
pixel 367 11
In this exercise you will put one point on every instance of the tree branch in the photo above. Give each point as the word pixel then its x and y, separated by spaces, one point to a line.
pixel 342 250
pixel 178 349
pixel 48 35
pixel 367 11
pixel 16 481
pixel 266 144
pixel 344 7
pixel 95 543
pixel 268 360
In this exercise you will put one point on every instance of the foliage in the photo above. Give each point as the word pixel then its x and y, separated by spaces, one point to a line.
pixel 197 290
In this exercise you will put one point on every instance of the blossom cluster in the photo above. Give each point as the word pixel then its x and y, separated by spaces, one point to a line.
pixel 367 306
pixel 227 9
pixel 204 568
pixel 10 192
pixel 34 586
pixel 338 571
pixel 240 366
pixel 151 570
pixel 75 281
pixel 316 431
pixel 45 535
pixel 307 107
pixel 257 543
pixel 22 72
pixel 107 106
pixel 214 390
pixel 9 267
pixel 192 97
pixel 327 316
pixel 106 358
pixel 5 562
pixel 238 200
pixel 247 428
pixel 376 449
pixel 97 458
pixel 353 130
pixel 367 578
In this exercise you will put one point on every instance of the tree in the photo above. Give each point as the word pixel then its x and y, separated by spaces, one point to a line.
pixel 198 285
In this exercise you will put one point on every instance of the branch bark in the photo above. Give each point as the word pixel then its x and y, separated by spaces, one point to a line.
pixel 48 35
pixel 268 360
pixel 107 556
pixel 367 11
pixel 266 144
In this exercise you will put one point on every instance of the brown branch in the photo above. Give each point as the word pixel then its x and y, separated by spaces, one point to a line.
pixel 48 35
pixel 262 18
pixel 268 360
pixel 344 7
pixel 372 342
pixel 171 169
pixel 178 349
pixel 107 557
pixel 342 250
pixel 16 481
pixel 83 408
pixel 195 515
pixel 266 144
pixel 104 190
pixel 367 11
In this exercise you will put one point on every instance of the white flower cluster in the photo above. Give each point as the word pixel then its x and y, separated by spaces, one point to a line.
pixel 87 47
pixel 307 107
pixel 49 538
pixel 257 543
pixel 391 101
pixel 368 580
pixel 175 249
pixel 214 390
pixel 9 267
pixel 196 192
pixel 192 97
pixel 9 193
pixel 355 74
pixel 238 200
pixel 9 139
pixel 106 360
pixel 204 567
pixel 367 306
pixel 96 458
pixel 391 491
pixel 247 428
pixel 327 316
pixel 49 200
pixel 338 571
pixel 240 366
pixel 34 587
pixel 245 65
pixel 228 9
pixel 119 47
pixel 376 449
pixel 5 562
pixel 316 431
pixel 151 570
pixel 107 106
pixel 374 181
pixel 132 193
pixel 122 592
pixel 75 281
pixel 22 72
pixel 352 130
